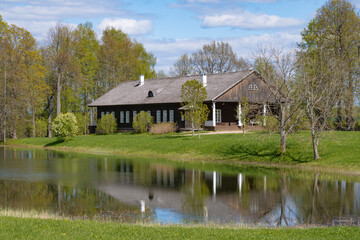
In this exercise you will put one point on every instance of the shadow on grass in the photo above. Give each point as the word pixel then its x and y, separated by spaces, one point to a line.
pixel 263 152
pixel 54 143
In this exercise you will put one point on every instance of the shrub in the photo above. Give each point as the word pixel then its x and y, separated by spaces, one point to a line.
pixel 65 126
pixel 162 128
pixel 106 125
pixel 142 122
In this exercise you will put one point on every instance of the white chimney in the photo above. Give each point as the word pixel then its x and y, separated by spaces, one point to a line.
pixel 204 80
pixel 141 80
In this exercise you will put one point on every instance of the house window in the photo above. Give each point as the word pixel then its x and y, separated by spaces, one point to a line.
pixel 218 115
pixel 253 86
pixel 107 112
pixel 122 117
pixel 164 115
pixel 149 112
pixel 134 114
pixel 171 115
pixel 127 117
pixel 113 113
pixel 158 116
pixel 102 114
pixel 150 94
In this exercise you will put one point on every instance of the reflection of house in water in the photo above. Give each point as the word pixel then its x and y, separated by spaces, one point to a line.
pixel 210 195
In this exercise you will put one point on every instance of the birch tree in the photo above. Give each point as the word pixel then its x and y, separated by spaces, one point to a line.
pixel 277 67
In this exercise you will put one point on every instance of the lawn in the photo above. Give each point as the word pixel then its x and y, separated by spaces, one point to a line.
pixel 30 228
pixel 338 150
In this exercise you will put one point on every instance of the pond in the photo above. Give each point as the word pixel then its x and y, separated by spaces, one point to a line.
pixel 145 190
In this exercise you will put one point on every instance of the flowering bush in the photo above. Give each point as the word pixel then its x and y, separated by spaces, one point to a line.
pixel 65 126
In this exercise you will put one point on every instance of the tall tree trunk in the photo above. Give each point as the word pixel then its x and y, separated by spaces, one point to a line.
pixel 5 110
pixel 14 135
pixel 315 142
pixel 192 127
pixel 33 122
pixel 58 98
pixel 283 133
pixel 49 125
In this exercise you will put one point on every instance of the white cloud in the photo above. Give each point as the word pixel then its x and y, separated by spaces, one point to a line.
pixel 248 20
pixel 168 51
pixel 129 26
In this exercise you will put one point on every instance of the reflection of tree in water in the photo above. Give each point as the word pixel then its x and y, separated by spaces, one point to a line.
pixel 320 202
pixel 195 193
pixel 63 200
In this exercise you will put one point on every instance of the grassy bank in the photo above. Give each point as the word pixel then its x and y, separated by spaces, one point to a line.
pixel 29 228
pixel 338 150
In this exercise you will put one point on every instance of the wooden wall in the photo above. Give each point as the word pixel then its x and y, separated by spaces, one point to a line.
pixel 147 107
pixel 262 95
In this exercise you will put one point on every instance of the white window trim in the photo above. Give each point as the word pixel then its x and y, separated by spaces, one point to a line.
pixel 165 117
pixel 171 115
pixel 127 116
pixel 218 115
pixel 122 117
pixel 158 116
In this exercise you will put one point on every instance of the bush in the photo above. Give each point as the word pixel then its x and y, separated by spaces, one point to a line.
pixel 162 128
pixel 65 126
pixel 106 125
pixel 142 122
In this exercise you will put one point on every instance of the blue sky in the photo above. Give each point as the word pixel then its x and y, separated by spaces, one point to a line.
pixel 170 28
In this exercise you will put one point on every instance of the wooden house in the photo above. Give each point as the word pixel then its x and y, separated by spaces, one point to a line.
pixel 161 98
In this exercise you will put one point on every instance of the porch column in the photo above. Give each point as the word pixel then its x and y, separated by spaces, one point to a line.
pixel 240 123
pixel 264 113
pixel 92 117
pixel 214 114
pixel 214 183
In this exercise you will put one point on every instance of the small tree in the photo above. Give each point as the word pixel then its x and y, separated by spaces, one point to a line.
pixel 192 96
pixel 242 113
pixel 142 122
pixel 65 126
pixel 107 124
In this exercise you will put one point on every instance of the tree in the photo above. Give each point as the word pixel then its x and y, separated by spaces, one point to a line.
pixel 86 55
pixel 193 93
pixel 215 57
pixel 336 29
pixel 242 113
pixel 60 52
pixel 121 59
pixel 182 66
pixel 278 70
pixel 318 75
pixel 65 126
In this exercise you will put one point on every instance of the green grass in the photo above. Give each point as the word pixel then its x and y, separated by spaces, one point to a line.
pixel 338 150
pixel 29 228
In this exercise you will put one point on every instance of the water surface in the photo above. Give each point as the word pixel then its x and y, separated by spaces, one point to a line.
pixel 124 189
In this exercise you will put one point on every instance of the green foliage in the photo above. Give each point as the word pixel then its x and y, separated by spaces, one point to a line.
pixel 163 128
pixel 142 122
pixel 106 125
pixel 193 93
pixel 65 126
pixel 41 127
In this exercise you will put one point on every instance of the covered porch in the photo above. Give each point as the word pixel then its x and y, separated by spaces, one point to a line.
pixel 225 116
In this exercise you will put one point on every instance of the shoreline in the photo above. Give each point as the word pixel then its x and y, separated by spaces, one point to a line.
pixel 185 159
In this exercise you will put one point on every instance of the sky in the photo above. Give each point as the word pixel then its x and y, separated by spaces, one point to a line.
pixel 170 28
